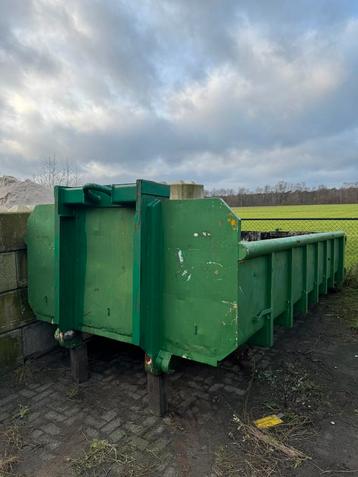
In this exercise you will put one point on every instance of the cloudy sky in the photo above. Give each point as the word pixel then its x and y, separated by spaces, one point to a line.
pixel 227 93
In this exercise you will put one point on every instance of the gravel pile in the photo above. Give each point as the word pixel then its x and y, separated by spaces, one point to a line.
pixel 21 195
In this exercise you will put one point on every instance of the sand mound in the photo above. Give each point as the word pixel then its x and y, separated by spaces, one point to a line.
pixel 21 195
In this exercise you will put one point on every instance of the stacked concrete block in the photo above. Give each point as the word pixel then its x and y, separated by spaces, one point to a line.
pixel 20 335
pixel 186 190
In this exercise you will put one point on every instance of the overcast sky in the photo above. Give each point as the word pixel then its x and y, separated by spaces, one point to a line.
pixel 227 93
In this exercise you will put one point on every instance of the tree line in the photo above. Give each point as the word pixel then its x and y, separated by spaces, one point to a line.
pixel 284 193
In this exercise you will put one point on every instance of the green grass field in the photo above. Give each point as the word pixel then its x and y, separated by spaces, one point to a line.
pixel 334 211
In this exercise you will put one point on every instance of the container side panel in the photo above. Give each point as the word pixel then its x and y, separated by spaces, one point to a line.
pixel 310 266
pixel 336 255
pixel 253 284
pixel 107 248
pixel 40 259
pixel 280 282
pixel 265 282
pixel 200 279
pixel 320 262
pixel 297 260
pixel 329 259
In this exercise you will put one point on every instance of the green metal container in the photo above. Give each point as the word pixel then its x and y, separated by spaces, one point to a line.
pixel 172 277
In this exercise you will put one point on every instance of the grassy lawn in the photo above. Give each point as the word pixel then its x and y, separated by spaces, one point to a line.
pixel 329 211
pixel 279 213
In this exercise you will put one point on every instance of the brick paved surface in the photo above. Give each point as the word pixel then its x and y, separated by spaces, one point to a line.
pixel 46 422
pixel 57 418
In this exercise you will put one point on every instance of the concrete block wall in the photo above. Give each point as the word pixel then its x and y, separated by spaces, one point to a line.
pixel 21 336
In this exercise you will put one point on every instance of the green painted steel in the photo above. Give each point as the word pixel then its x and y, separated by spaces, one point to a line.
pixel 172 277
pixel 40 237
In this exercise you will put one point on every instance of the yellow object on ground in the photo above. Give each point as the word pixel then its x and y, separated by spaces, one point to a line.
pixel 268 421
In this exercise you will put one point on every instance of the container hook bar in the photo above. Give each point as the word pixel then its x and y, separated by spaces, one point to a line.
pixel 88 190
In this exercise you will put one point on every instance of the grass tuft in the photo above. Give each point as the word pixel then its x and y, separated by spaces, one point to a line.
pixel 12 437
pixel 7 463
pixel 101 457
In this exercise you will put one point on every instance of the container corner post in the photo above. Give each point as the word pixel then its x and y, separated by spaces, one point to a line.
pixel 79 363
pixel 157 393
pixel 157 370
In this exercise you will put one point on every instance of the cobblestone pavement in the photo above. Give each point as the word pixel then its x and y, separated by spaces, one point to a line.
pixel 46 422
pixel 57 418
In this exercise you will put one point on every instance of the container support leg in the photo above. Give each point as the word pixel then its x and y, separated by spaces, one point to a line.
pixel 157 393
pixel 79 363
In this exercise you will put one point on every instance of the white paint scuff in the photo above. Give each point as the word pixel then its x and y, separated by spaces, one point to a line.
pixel 180 256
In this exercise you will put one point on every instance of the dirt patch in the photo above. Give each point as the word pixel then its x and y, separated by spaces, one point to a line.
pixel 310 379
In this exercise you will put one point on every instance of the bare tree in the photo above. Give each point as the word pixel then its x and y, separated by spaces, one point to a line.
pixel 52 172
pixel 283 193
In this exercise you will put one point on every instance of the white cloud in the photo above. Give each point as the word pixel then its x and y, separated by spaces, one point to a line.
pixel 240 95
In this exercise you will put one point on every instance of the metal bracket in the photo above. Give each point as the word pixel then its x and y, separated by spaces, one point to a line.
pixel 68 339
pixel 158 365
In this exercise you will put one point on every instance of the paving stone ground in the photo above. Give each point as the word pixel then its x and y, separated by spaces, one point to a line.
pixel 47 423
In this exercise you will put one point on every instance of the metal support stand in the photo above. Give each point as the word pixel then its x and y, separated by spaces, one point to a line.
pixel 79 363
pixel 156 385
